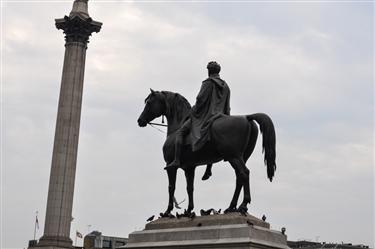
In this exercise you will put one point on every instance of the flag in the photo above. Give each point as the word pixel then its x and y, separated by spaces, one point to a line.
pixel 37 222
pixel 79 235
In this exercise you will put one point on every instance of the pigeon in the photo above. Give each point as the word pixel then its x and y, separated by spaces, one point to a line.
pixel 151 218
pixel 249 223
pixel 216 212
pixel 264 217
pixel 207 212
pixel 283 229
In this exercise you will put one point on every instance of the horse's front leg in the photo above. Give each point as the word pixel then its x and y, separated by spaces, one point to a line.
pixel 189 175
pixel 171 188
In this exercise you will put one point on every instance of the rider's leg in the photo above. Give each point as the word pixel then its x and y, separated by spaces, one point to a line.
pixel 208 172
pixel 181 133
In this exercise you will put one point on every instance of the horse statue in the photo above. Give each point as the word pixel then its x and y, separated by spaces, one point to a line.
pixel 232 139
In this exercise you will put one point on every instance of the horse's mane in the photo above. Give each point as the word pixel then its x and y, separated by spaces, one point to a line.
pixel 176 105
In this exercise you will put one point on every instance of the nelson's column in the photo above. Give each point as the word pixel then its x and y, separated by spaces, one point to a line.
pixel 78 26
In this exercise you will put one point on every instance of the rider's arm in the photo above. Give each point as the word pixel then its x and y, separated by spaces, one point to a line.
pixel 227 104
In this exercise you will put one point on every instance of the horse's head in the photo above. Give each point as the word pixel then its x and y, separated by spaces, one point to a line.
pixel 154 107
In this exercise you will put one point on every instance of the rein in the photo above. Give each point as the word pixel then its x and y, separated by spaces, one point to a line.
pixel 150 123
pixel 156 128
pixel 162 124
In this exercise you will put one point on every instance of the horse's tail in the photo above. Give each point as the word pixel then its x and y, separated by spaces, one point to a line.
pixel 269 141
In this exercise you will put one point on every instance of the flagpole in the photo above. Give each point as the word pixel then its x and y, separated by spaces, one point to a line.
pixel 36 218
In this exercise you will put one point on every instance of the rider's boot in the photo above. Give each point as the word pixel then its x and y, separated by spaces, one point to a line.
pixel 208 172
pixel 178 144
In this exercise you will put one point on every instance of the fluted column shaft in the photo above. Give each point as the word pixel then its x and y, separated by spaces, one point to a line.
pixel 64 158
pixel 77 28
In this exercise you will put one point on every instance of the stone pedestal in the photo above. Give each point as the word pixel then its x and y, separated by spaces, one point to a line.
pixel 233 231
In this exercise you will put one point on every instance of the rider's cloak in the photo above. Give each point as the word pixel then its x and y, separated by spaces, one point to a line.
pixel 212 101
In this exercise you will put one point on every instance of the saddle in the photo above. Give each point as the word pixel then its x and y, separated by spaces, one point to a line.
pixel 199 140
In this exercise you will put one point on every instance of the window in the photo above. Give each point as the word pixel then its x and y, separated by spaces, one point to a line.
pixel 119 244
pixel 107 244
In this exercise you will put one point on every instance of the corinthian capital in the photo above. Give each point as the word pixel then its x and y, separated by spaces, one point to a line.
pixel 78 26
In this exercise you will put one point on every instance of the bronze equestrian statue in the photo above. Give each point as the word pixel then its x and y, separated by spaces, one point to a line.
pixel 206 134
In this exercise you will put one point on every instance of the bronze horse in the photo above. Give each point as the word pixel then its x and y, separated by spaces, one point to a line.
pixel 233 139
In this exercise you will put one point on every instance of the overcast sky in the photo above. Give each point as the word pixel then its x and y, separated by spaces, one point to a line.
pixel 310 66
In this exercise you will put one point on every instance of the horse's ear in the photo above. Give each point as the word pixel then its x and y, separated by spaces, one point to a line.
pixel 152 91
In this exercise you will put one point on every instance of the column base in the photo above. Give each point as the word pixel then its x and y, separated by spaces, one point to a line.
pixel 54 242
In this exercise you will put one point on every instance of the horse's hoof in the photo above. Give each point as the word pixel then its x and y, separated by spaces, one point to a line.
pixel 192 215
pixel 165 214
pixel 230 210
pixel 243 211
pixel 189 214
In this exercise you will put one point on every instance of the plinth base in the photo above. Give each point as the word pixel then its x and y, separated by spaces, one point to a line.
pixel 49 247
pixel 52 242
pixel 233 231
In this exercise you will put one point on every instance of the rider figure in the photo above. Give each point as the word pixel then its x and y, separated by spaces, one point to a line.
pixel 212 101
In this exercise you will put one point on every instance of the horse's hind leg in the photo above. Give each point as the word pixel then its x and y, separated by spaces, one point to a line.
pixel 189 175
pixel 233 204
pixel 244 173
pixel 253 136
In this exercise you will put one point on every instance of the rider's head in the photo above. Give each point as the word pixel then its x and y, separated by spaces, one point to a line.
pixel 213 68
